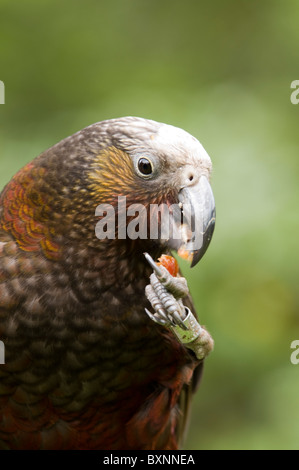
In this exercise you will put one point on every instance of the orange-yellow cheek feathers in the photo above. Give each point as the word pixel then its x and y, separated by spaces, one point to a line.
pixel 20 213
pixel 111 175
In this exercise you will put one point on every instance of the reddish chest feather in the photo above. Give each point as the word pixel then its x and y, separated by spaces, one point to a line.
pixel 22 208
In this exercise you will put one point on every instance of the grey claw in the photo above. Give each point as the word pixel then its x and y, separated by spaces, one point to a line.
pixel 153 264
pixel 179 321
pixel 155 319
pixel 170 320
pixel 163 315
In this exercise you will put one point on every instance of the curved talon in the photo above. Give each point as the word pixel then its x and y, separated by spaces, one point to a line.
pixel 170 320
pixel 155 319
pixel 179 321
pixel 153 264
pixel 163 315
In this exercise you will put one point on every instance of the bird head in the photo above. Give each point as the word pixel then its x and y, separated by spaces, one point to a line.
pixel 118 175
pixel 161 173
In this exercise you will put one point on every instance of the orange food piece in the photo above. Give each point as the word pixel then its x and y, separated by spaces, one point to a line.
pixel 170 264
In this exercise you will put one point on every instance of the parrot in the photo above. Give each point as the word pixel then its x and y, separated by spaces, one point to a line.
pixel 103 348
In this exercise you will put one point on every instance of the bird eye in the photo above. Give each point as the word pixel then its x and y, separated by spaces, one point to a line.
pixel 145 166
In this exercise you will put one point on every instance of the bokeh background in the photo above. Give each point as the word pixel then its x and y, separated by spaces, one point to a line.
pixel 222 71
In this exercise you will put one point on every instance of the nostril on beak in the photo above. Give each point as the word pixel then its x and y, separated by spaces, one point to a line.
pixel 189 176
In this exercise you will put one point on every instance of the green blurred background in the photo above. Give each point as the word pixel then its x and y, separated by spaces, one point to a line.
pixel 221 70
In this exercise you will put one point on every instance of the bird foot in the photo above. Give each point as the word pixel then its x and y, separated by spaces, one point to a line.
pixel 165 293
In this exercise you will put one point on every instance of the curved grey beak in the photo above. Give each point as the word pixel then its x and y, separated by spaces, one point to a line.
pixel 196 221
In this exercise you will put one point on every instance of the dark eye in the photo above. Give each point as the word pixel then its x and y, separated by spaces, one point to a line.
pixel 145 166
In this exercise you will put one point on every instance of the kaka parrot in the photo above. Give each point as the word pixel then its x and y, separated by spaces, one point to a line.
pixel 102 346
